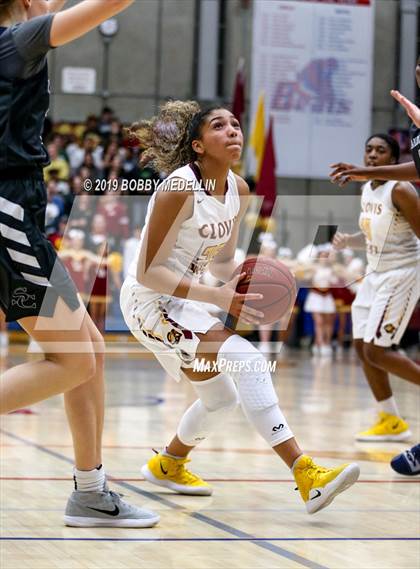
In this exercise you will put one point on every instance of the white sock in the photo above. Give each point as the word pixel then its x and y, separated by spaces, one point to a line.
pixel 389 406
pixel 295 463
pixel 89 480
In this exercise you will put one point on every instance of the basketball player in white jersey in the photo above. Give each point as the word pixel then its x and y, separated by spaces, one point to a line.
pixel 186 232
pixel 390 227
pixel 407 462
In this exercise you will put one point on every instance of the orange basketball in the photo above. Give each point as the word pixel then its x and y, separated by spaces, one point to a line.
pixel 274 281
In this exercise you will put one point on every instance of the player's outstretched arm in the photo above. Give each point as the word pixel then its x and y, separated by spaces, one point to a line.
pixel 82 18
pixel 342 173
pixel 345 240
pixel 412 110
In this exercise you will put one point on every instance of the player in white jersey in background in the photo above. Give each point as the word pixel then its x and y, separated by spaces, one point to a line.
pixel 407 462
pixel 187 232
pixel 390 224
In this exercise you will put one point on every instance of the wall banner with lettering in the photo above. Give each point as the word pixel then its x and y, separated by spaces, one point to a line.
pixel 314 62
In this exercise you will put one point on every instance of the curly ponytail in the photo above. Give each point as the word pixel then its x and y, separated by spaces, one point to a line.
pixel 167 137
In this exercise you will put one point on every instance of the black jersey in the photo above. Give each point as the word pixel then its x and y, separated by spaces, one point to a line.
pixel 24 93
pixel 415 145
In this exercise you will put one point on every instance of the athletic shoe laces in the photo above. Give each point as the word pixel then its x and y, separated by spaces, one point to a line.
pixel 413 455
pixel 184 474
pixel 176 468
pixel 313 470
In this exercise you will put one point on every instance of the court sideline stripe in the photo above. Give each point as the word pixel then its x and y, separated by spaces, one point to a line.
pixel 258 480
pixel 209 521
pixel 182 539
pixel 350 455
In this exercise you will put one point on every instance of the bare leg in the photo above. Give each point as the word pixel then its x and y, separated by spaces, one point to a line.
pixel 393 362
pixel 377 378
pixel 341 332
pixel 85 409
pixel 32 382
pixel 177 448
pixel 79 374
pixel 319 332
pixel 329 320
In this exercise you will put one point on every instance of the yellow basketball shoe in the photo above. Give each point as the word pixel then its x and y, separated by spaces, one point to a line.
pixel 388 428
pixel 319 486
pixel 171 473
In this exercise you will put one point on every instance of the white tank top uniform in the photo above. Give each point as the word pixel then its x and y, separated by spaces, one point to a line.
pixel 167 325
pixel 390 290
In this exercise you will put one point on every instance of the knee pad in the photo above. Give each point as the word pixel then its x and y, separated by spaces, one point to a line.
pixel 249 369
pixel 217 393
pixel 218 397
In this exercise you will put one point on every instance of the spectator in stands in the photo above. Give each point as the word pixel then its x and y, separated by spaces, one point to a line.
pixel 82 212
pixel 57 237
pixel 77 259
pixel 91 144
pixel 98 232
pixel 54 209
pixel 115 213
pixel 114 169
pixel 92 125
pixel 101 295
pixel 57 163
pixel 105 121
pixel 76 185
pixel 111 150
pixel 96 173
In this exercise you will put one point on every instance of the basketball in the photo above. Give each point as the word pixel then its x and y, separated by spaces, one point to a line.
pixel 274 281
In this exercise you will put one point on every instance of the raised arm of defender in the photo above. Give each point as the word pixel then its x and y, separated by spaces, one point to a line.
pixel 82 18
pixel 412 110
pixel 343 173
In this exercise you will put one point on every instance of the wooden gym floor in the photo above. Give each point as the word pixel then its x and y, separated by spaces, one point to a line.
pixel 254 519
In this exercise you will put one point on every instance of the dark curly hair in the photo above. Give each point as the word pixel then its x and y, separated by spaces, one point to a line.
pixel 167 137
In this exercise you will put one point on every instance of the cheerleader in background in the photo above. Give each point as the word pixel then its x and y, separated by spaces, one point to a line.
pixel 320 303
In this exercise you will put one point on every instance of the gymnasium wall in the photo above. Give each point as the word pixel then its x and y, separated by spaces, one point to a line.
pixel 149 62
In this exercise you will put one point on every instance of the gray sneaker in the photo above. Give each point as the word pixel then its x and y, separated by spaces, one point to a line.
pixel 106 509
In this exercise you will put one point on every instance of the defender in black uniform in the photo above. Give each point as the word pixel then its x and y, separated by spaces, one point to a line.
pixel 408 462
pixel 35 289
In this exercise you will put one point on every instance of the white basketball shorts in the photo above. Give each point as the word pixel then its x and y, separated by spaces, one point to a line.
pixel 384 304
pixel 165 325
